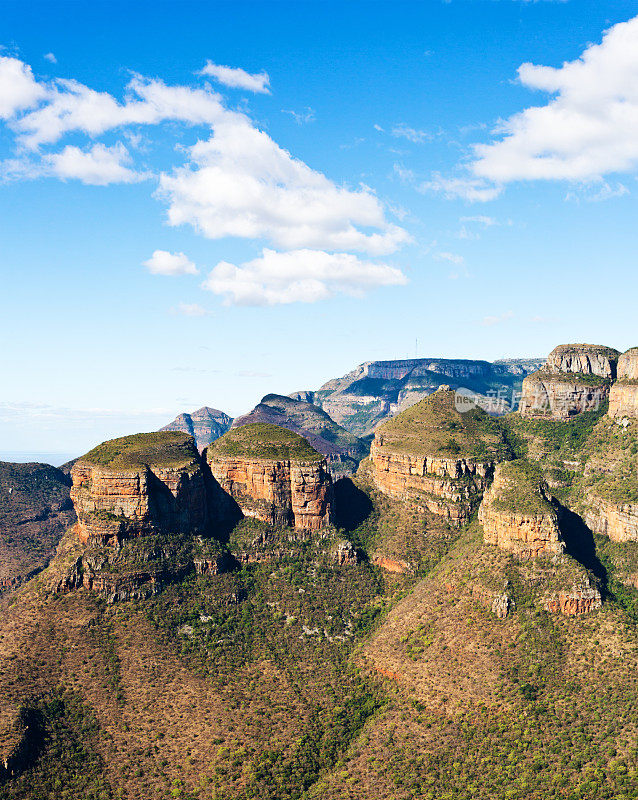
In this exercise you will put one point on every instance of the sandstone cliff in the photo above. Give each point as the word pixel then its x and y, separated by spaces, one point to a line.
pixel 518 513
pixel 376 390
pixel 343 451
pixel 437 458
pixel 274 475
pixel 623 397
pixel 137 485
pixel 204 425
pixel 576 378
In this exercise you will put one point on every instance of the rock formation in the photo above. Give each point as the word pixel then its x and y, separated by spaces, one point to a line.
pixel 343 451
pixel 575 378
pixel 137 485
pixel 204 425
pixel 623 397
pixel 437 458
pixel 518 514
pixel 274 475
pixel 617 520
pixel 377 390
pixel 582 598
pixel 35 510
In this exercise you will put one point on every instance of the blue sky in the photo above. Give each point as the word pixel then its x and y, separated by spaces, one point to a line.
pixel 365 181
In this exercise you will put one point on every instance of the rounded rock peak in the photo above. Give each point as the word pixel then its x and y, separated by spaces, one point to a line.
pixel 628 365
pixel 264 441
pixel 586 359
pixel 168 449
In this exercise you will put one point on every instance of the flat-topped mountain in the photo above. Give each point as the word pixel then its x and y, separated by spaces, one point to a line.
pixel 343 450
pixel 204 425
pixel 35 510
pixel 376 390
pixel 576 378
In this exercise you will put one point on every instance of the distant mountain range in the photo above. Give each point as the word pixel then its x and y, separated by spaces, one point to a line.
pixel 204 425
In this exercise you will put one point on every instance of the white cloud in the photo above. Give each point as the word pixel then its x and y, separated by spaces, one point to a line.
pixel 98 166
pixel 405 132
pixel 302 276
pixel 18 88
pixel 588 129
pixel 50 57
pixel 190 310
pixel 301 117
pixel 470 189
pixel 164 263
pixel 481 219
pixel 452 258
pixel 241 183
pixel 238 78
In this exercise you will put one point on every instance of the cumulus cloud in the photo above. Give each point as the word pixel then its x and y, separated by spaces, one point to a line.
pixel 164 263
pixel 241 183
pixel 470 189
pixel 100 165
pixel 300 276
pixel 50 57
pixel 237 78
pixel 18 88
pixel 587 130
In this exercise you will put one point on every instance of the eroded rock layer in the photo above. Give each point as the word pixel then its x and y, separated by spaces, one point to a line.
pixel 436 457
pixel 617 520
pixel 274 475
pixel 623 397
pixel 137 485
pixel 518 514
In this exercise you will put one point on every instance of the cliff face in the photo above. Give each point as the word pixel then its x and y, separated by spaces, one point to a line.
pixel 205 425
pixel 138 485
pixel 518 513
pixel 376 390
pixel 35 510
pixel 617 520
pixel 437 458
pixel 576 378
pixel 623 397
pixel 343 451
pixel 274 475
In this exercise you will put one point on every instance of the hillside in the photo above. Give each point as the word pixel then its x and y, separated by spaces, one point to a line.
pixel 343 450
pixel 376 390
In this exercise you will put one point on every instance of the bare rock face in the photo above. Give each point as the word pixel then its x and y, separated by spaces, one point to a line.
pixel 274 475
pixel 623 397
pixel 576 378
pixel 518 514
pixel 436 457
pixel 582 598
pixel 617 520
pixel 138 485
pixel 205 425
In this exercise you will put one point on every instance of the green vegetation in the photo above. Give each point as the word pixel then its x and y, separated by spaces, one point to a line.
pixel 161 449
pixel 522 491
pixel 434 426
pixel 262 440
pixel 612 450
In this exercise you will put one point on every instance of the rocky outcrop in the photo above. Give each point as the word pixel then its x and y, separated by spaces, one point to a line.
pixel 342 450
pixel 35 510
pixel 376 390
pixel 205 425
pixel 138 485
pixel 582 598
pixel 518 514
pixel 623 397
pixel 274 475
pixel 427 456
pixel 617 520
pixel 576 378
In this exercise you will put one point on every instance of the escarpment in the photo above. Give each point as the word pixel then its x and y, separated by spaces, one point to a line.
pixel 518 513
pixel 436 457
pixel 138 485
pixel 576 378
pixel 623 397
pixel 274 475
